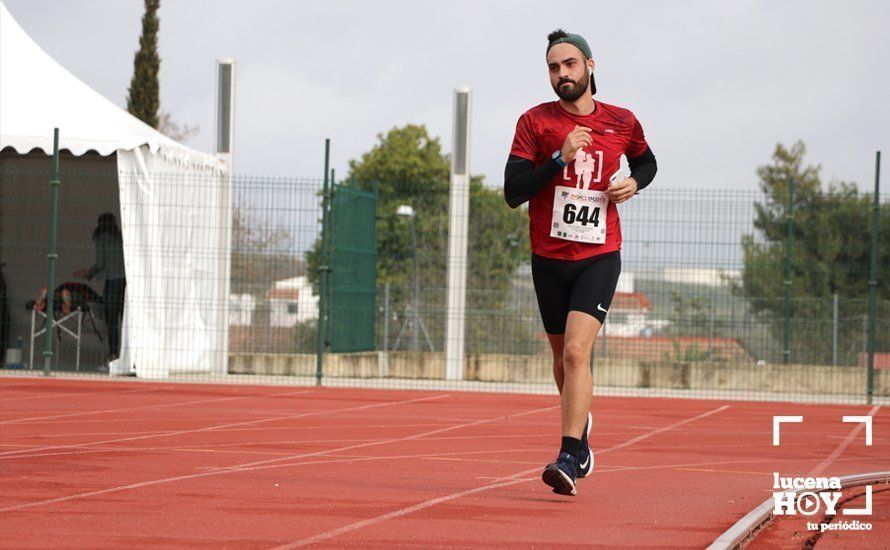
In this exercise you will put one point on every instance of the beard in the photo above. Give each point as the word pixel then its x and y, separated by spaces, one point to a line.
pixel 571 90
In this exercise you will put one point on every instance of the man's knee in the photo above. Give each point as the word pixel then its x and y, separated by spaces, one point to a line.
pixel 575 356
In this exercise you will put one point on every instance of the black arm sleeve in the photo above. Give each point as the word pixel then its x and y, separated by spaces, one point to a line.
pixel 522 180
pixel 643 168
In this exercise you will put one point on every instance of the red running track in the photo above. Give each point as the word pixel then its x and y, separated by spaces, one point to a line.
pixel 111 464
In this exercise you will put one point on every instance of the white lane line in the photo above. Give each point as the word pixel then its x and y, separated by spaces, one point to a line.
pixel 140 407
pixel 503 482
pixel 5 400
pixel 252 466
pixel 842 446
pixel 391 440
pixel 23 454
pixel 647 435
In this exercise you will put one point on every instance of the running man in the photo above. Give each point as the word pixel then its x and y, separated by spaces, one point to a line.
pixel 574 228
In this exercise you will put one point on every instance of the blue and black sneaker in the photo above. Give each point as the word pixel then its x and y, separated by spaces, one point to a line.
pixel 585 457
pixel 561 474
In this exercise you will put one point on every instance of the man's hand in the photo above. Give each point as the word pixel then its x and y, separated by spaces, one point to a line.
pixel 622 190
pixel 577 138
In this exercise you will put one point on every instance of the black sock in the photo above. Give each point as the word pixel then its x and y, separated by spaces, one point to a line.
pixel 571 445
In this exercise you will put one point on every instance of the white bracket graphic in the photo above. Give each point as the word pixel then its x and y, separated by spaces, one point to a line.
pixel 778 420
pixel 862 420
pixel 862 511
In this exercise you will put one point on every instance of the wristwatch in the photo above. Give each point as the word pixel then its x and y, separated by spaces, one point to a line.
pixel 557 156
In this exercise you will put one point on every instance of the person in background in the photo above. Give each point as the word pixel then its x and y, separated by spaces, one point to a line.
pixel 109 266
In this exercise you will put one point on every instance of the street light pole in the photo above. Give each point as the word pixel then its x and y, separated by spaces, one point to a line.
pixel 406 211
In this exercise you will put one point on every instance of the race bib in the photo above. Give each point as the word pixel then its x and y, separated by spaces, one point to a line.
pixel 579 215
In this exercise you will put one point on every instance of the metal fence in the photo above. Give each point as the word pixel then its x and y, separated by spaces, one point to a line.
pixel 709 304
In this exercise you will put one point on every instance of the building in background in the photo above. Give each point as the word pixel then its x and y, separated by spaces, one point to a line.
pixel 701 276
pixel 291 302
pixel 630 316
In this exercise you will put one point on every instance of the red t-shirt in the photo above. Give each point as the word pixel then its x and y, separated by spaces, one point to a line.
pixel 543 130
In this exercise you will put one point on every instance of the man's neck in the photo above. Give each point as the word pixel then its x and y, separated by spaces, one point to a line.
pixel 584 105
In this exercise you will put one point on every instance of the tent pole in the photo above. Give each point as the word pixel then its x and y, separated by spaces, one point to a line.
pixel 54 211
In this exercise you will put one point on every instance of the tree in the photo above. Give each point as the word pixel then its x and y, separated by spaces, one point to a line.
pixel 831 253
pixel 407 166
pixel 693 315
pixel 260 255
pixel 175 131
pixel 143 95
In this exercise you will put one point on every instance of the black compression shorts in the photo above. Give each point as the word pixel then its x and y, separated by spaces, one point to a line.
pixel 574 285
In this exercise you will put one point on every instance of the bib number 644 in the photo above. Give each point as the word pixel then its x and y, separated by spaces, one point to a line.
pixel 583 215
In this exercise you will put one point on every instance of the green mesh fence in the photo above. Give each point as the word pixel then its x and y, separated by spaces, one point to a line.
pixel 700 308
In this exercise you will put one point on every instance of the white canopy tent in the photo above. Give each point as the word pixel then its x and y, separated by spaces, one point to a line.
pixel 173 203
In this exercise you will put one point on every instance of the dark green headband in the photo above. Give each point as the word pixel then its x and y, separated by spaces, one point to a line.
pixel 575 40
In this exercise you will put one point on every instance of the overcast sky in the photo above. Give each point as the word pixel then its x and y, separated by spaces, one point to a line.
pixel 715 84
